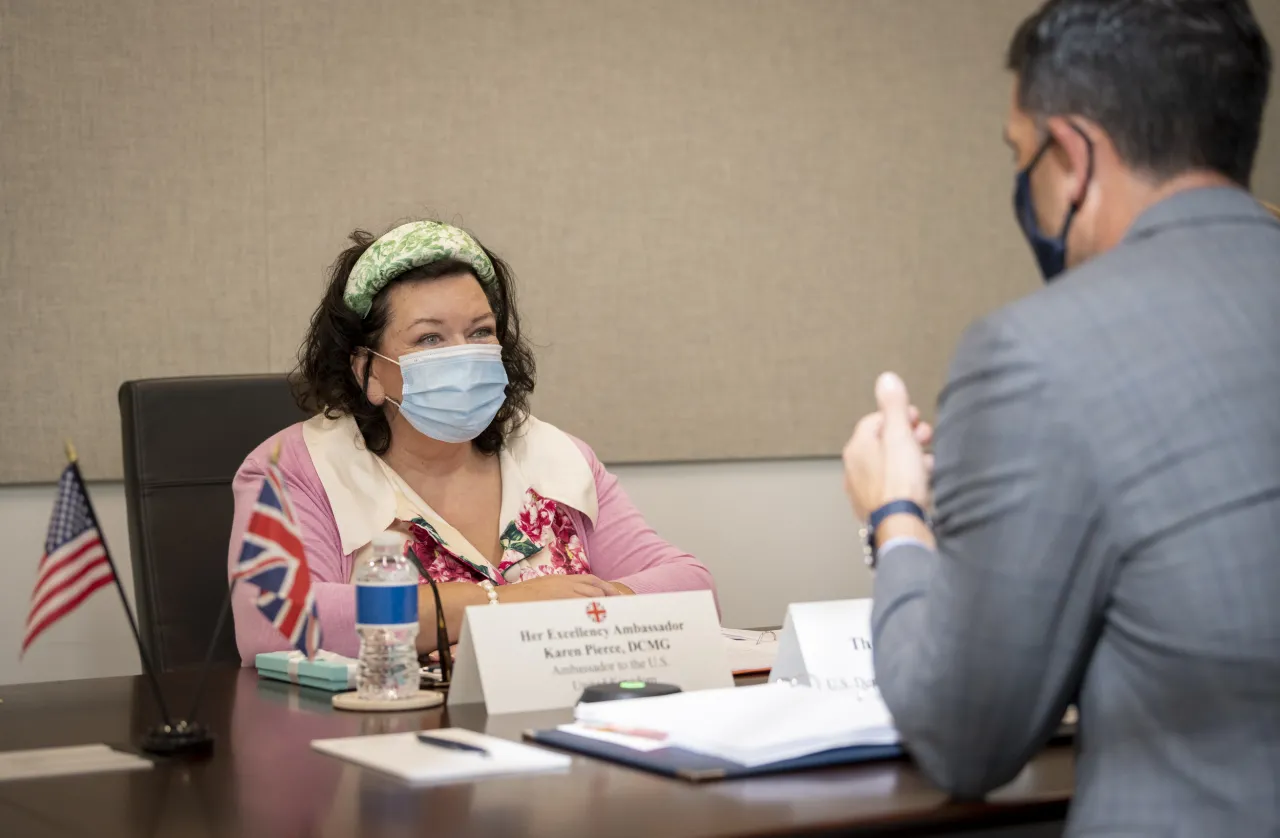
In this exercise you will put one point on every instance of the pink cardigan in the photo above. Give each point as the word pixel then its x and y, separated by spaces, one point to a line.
pixel 621 547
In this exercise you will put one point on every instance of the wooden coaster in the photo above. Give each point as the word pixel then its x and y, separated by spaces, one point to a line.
pixel 421 701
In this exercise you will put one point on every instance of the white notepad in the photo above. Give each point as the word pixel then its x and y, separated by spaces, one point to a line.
pixel 403 756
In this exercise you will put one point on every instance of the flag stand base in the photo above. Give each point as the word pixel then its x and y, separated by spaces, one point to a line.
pixel 185 739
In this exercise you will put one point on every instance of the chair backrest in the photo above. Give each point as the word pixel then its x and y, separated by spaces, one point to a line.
pixel 184 438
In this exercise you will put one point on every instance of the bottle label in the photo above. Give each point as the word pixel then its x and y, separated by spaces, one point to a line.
pixel 386 605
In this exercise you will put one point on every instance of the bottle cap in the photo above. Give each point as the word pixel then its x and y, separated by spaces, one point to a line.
pixel 388 539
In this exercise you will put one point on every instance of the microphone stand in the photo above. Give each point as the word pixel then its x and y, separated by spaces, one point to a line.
pixel 442 628
pixel 442 640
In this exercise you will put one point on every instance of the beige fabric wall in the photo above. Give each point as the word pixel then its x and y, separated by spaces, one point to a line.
pixel 725 215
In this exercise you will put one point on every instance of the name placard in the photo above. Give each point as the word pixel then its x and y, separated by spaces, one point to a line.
pixel 531 656
pixel 828 643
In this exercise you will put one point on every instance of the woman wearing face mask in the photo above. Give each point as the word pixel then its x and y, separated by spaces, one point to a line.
pixel 420 378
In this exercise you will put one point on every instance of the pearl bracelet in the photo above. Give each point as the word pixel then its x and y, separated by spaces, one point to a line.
pixel 491 591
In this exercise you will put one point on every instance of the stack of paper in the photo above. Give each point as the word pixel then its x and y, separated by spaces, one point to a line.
pixel 747 725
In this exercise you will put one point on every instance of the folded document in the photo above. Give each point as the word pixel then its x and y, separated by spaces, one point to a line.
pixel 750 726
pixel 77 759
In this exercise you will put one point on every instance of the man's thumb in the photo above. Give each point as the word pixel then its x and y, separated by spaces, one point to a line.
pixel 894 403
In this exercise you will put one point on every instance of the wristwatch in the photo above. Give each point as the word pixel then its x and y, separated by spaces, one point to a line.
pixel 876 518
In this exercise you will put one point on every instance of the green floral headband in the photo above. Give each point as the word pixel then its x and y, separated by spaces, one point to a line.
pixel 407 247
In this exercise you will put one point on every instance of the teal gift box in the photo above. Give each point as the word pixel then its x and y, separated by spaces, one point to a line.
pixel 327 672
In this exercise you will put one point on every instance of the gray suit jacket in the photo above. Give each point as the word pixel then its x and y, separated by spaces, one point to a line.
pixel 1107 495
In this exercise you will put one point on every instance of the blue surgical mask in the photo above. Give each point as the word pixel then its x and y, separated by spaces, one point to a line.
pixel 1050 251
pixel 452 394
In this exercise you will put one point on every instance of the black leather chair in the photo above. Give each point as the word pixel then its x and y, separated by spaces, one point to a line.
pixel 184 438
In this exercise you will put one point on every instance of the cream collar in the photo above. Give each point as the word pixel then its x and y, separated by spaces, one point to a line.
pixel 363 496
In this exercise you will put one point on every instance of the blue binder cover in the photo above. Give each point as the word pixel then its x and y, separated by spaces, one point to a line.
pixel 699 768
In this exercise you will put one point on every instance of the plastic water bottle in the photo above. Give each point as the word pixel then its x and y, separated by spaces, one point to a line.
pixel 387 622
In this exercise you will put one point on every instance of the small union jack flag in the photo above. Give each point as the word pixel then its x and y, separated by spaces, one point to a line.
pixel 273 559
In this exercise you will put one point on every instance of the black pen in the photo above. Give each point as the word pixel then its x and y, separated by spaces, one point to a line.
pixel 450 744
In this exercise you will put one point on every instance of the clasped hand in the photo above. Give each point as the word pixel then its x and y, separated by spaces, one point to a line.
pixel 555 586
pixel 885 459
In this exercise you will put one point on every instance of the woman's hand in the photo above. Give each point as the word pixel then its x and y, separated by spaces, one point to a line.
pixel 556 587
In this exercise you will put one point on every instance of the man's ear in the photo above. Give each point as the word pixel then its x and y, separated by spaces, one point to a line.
pixel 362 364
pixel 1078 153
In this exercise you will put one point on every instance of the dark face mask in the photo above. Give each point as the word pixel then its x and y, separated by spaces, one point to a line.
pixel 1051 252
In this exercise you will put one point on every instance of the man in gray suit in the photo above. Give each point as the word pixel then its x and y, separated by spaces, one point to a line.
pixel 1106 490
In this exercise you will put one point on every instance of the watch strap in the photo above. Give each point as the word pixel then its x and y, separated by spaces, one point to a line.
pixel 877 517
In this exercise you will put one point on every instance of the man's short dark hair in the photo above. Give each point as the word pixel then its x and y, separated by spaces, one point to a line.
pixel 1178 85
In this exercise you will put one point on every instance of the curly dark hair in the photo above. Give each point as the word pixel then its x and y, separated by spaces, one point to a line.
pixel 325 383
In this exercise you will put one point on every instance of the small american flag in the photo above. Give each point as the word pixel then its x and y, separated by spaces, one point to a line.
pixel 75 562
pixel 273 559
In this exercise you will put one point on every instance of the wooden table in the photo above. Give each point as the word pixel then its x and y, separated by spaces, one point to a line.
pixel 264 779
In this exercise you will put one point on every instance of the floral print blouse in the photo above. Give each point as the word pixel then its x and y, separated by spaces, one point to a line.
pixel 541 541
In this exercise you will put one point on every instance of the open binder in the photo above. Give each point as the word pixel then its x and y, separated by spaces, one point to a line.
pixel 699 768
